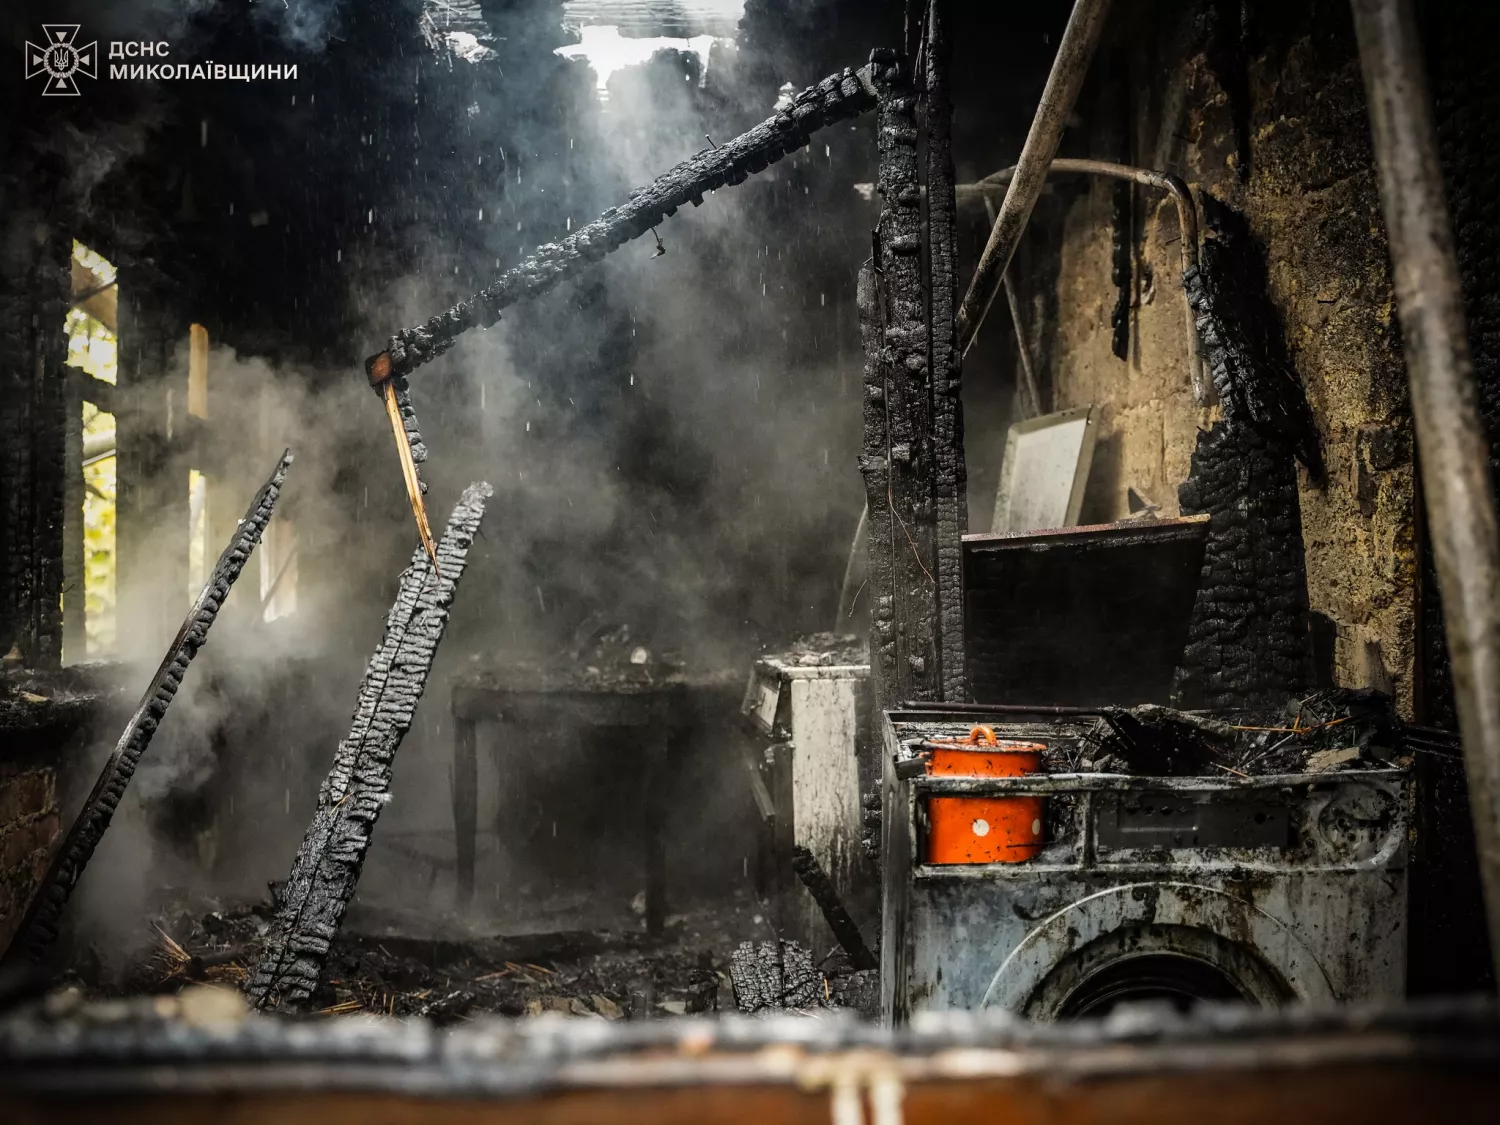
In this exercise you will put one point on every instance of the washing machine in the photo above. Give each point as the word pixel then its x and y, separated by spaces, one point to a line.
pixel 1267 890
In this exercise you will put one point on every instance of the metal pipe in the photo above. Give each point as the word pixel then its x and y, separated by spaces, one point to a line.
pixel 1080 37
pixel 1187 222
pixel 1187 212
pixel 1454 453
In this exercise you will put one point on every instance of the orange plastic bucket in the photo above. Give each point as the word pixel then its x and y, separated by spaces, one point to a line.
pixel 985 829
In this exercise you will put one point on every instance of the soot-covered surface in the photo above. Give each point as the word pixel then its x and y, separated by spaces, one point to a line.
pixel 1086 616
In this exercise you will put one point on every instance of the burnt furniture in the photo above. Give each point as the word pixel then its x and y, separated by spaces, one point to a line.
pixel 1081 615
pixel 649 711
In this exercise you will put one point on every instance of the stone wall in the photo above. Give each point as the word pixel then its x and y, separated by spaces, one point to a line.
pixel 1270 120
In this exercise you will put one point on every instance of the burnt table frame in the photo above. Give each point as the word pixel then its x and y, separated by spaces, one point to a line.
pixel 660 716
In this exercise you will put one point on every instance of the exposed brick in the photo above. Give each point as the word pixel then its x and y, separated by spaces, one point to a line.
pixel 25 794
pixel 17 845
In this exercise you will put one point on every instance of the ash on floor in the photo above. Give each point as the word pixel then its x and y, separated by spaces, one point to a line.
pixel 376 968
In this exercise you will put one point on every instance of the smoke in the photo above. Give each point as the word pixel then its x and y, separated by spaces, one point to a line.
pixel 672 440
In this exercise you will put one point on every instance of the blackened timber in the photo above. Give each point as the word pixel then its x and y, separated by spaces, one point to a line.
pixel 950 473
pixel 326 870
pixel 40 925
pixel 816 880
pixel 908 395
pixel 874 465
pixel 836 98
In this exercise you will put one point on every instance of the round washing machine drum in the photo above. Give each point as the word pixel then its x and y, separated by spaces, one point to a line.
pixel 1176 942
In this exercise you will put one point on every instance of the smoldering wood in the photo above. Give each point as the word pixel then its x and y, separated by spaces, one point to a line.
pixel 837 98
pixel 904 362
pixel 816 880
pixel 950 473
pixel 327 867
pixel 40 925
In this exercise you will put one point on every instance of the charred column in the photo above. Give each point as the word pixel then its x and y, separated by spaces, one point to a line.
pixel 875 466
pixel 33 422
pixel 950 475
pixel 328 864
pixel 902 360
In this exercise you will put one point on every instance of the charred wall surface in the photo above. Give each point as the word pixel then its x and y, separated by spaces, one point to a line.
pixel 1259 107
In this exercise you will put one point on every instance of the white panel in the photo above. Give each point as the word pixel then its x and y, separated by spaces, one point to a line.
pixel 825 775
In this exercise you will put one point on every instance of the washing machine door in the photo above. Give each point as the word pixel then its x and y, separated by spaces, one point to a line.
pixel 1178 942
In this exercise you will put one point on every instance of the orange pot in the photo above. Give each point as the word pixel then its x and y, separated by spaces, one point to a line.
pixel 985 829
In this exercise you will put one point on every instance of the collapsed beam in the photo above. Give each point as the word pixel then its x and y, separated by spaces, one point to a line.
pixel 40 925
pixel 837 98
pixel 327 868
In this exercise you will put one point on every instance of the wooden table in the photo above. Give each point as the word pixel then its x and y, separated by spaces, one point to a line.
pixel 659 708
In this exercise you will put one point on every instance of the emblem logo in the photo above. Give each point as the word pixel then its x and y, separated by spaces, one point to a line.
pixel 61 59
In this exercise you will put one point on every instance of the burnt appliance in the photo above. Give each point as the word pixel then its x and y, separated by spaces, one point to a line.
pixel 809 709
pixel 1264 889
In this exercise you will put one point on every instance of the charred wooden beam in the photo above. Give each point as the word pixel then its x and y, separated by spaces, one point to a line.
pixel 836 98
pixel 904 366
pixel 41 922
pixel 844 928
pixel 950 473
pixel 311 905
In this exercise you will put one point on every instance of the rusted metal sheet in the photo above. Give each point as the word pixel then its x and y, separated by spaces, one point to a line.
pixel 1293 887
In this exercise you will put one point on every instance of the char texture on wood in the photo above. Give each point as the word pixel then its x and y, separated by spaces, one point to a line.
pixel 950 473
pixel 816 880
pixel 41 923
pixel 903 361
pixel 836 98
pixel 326 870
pixel 875 467
pixel 775 976
pixel 1248 640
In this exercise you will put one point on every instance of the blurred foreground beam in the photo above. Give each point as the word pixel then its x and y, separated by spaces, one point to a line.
pixel 40 925
pixel 328 864
pixel 1455 454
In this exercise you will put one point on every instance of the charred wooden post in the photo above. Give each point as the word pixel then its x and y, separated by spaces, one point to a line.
pixel 875 466
pixel 844 928
pixel 836 98
pixel 41 922
pixel 1248 640
pixel 328 864
pixel 902 360
pixel 33 426
pixel 950 473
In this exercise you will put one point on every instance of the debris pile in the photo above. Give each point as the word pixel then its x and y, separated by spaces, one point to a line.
pixel 1337 728
pixel 597 974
